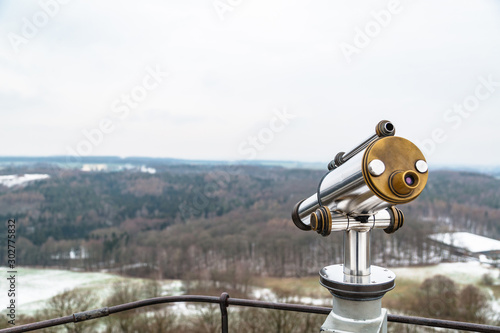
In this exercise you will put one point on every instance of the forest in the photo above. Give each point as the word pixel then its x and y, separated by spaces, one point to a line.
pixel 194 221
pixel 228 228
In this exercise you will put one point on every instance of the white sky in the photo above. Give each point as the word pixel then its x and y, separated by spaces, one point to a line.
pixel 227 77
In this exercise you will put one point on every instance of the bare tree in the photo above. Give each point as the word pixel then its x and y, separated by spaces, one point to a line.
pixel 72 301
pixel 437 298
pixel 473 305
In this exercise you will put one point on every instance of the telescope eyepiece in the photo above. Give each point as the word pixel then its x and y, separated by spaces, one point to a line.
pixel 403 183
pixel 385 128
pixel 409 180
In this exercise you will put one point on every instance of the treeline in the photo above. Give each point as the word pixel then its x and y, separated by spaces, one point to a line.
pixel 193 221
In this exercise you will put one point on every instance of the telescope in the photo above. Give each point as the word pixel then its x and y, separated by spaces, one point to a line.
pixel 356 196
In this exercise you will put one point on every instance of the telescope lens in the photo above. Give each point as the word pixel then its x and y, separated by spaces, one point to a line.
pixel 403 183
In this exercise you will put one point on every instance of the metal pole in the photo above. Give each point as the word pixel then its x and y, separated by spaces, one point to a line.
pixel 223 311
pixel 357 252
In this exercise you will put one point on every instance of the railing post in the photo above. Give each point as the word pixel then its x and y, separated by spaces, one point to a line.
pixel 223 310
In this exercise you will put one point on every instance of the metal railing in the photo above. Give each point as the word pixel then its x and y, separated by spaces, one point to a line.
pixel 224 301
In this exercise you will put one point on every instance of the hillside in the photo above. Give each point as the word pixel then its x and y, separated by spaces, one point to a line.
pixel 207 221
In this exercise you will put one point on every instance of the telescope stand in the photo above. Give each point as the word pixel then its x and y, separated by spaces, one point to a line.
pixel 357 195
pixel 356 316
pixel 357 288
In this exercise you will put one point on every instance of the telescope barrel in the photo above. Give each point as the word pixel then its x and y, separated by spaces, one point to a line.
pixel 387 172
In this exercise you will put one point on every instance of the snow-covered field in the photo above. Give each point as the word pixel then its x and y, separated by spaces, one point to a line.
pixel 462 272
pixel 35 286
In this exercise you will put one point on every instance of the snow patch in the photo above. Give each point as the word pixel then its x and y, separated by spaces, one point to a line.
pixel 467 241
pixel 13 180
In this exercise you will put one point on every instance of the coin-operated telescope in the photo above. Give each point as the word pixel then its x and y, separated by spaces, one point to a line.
pixel 357 195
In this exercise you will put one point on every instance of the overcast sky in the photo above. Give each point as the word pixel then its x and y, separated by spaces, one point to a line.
pixel 249 79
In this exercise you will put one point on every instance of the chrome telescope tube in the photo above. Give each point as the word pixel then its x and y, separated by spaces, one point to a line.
pixel 381 220
pixel 389 171
pixel 390 219
pixel 342 190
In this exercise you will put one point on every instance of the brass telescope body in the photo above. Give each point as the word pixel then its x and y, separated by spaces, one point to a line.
pixel 387 172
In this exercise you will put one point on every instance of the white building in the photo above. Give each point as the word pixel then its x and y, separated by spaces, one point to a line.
pixel 94 167
pixel 485 249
